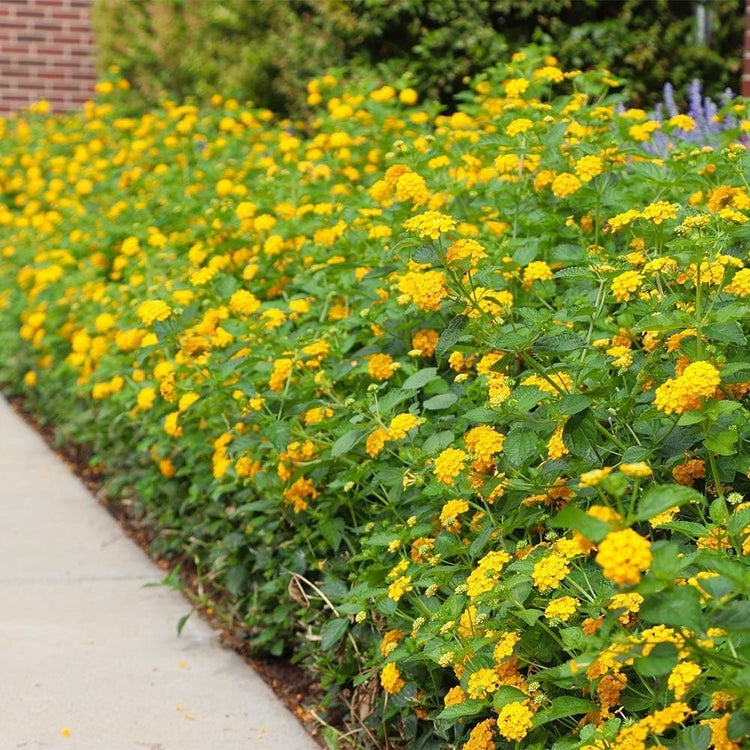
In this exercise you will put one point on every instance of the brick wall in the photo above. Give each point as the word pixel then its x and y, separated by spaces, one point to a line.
pixel 46 52
pixel 746 60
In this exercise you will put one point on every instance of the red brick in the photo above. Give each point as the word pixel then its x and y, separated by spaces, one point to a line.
pixel 46 51
pixel 14 49
pixel 64 15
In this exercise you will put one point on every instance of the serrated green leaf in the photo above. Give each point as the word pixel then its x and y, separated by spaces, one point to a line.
pixel 346 442
pixel 577 519
pixel 580 435
pixel 680 607
pixel 332 632
pixel 425 254
pixel 573 403
pixel 661 660
pixel 467 708
pixel 722 443
pixel 420 379
pixel 519 446
pixel 738 520
pixel 733 616
pixel 451 335
pixel 561 342
pixel 562 707
pixel 738 727
pixel 507 694
pixel 442 401
pixel 658 499
pixel 438 441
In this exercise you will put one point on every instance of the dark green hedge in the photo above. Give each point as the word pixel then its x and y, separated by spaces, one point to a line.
pixel 265 50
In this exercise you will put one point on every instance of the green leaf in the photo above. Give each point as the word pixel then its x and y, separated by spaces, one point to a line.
pixel 391 400
pixel 529 616
pixel 573 403
pixel 420 379
pixel 691 738
pixel 182 621
pixel 507 694
pixel 346 442
pixel 722 443
pixel 467 708
pixel 561 342
pixel 451 335
pixel 733 616
pixel 669 559
pixel 479 414
pixel 574 272
pixel 332 530
pixel 234 579
pixel 717 511
pixel 726 332
pixel 442 401
pixel 331 736
pixel 662 658
pixel 738 520
pixel 438 441
pixel 478 544
pixel 566 705
pixel 739 726
pixel 519 446
pixel 526 253
pixel 424 254
pixel 278 433
pixel 679 606
pixel 580 436
pixel 691 417
pixel 634 454
pixel 332 632
pixel 663 497
pixel 526 397
pixel 688 528
pixel 577 519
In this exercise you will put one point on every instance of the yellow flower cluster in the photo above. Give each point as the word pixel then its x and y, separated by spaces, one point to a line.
pixel 430 224
pixel 426 289
pixel 449 464
pixel 486 574
pixel 624 285
pixel 699 380
pixel 549 572
pixel 482 737
pixel 623 555
pixel 514 721
pixel 153 310
pixel 390 679
pixel 563 608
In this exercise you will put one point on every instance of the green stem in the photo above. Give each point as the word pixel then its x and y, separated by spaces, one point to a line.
pixel 715 473
pixel 698 316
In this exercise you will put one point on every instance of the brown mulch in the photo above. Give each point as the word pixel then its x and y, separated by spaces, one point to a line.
pixel 296 687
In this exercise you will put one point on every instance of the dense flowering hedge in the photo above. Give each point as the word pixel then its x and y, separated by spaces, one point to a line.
pixel 455 406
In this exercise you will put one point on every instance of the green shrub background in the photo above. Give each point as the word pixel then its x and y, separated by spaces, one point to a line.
pixel 266 50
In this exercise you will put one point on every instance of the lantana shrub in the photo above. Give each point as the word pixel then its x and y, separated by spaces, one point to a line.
pixel 455 407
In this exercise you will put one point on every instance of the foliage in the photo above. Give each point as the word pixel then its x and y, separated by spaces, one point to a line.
pixel 646 41
pixel 454 406
pixel 266 50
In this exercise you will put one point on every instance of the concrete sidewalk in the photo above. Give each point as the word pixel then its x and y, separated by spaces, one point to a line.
pixel 89 659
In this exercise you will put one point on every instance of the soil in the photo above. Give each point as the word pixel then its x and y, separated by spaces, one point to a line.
pixel 296 687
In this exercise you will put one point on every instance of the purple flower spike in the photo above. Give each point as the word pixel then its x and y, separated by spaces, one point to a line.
pixel 702 109
pixel 669 101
